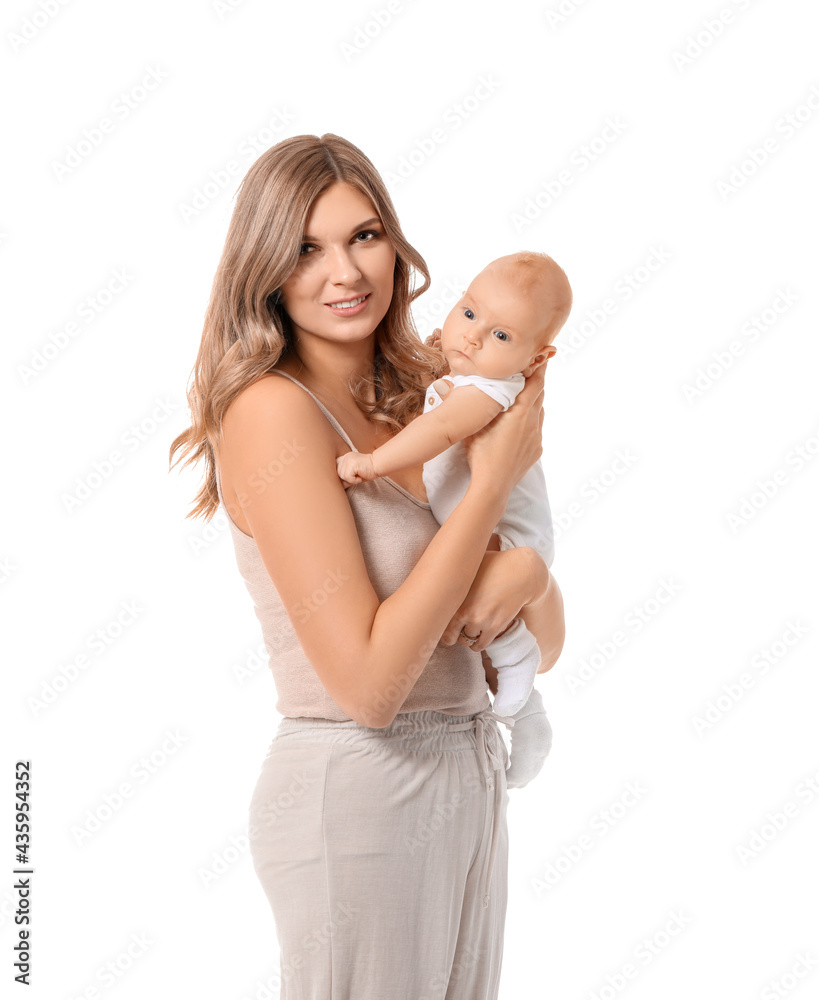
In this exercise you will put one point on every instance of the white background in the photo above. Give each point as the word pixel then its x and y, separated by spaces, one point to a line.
pixel 652 857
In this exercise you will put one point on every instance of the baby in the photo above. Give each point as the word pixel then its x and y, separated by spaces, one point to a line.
pixel 495 336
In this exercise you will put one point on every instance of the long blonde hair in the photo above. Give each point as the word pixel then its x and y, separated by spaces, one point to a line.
pixel 246 331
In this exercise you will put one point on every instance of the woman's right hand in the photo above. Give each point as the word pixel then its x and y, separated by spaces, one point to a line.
pixel 502 452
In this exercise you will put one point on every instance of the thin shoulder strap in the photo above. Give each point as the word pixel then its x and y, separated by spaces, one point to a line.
pixel 324 409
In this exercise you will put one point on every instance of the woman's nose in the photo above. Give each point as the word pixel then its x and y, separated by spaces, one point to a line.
pixel 343 269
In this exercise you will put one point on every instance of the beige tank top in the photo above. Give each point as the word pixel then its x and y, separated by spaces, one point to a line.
pixel 394 528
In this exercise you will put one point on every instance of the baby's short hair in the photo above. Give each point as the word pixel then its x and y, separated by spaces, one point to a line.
pixel 535 271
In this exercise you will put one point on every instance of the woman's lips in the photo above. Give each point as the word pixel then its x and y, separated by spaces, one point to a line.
pixel 349 310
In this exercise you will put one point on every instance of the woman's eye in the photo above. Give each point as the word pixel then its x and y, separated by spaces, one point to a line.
pixel 370 233
pixel 469 314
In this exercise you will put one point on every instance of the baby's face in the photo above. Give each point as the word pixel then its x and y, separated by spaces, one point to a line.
pixel 493 330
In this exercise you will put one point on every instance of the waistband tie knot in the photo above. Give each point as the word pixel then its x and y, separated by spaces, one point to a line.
pixel 492 751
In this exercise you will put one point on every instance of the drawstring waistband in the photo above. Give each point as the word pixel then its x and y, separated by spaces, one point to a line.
pixel 490 748
pixel 489 745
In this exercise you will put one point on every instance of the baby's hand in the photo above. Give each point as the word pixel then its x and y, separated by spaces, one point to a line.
pixel 355 467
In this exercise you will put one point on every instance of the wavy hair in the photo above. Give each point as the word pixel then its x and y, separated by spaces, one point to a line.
pixel 247 331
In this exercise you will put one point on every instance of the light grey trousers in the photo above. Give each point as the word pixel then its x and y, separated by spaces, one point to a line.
pixel 383 854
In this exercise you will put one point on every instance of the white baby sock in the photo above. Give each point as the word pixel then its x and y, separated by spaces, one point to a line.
pixel 531 738
pixel 516 656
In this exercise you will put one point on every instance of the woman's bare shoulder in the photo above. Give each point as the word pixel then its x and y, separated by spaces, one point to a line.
pixel 272 420
pixel 273 398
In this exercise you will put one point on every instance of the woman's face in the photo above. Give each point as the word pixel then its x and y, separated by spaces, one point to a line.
pixel 345 254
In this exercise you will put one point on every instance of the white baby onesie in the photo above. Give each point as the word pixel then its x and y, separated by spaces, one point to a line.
pixel 527 520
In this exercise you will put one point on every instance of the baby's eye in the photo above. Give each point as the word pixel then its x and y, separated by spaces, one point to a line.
pixel 469 314
pixel 502 334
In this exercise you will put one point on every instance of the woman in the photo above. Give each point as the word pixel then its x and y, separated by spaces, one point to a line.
pixel 378 821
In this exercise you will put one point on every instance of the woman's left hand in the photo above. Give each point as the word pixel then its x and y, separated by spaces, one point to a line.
pixel 502 585
pixel 434 340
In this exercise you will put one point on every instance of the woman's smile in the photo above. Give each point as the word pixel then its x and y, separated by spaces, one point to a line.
pixel 348 307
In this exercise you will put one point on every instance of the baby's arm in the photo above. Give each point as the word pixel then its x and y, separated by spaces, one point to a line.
pixel 463 412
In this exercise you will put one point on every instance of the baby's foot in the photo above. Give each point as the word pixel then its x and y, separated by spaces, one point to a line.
pixel 531 738
pixel 516 657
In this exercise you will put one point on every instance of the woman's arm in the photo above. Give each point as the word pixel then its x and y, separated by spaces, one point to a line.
pixel 367 655
pixel 506 581
pixel 542 612
pixel 513 583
